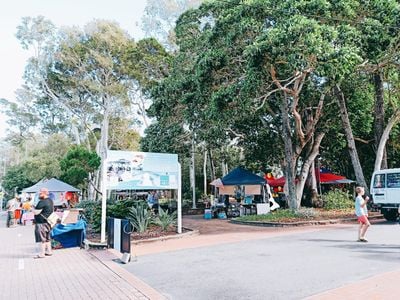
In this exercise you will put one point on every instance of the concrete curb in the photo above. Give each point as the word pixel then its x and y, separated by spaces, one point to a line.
pixel 301 223
pixel 191 232
pixel 108 257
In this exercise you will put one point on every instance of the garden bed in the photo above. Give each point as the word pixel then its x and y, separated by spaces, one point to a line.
pixel 304 216
pixel 151 233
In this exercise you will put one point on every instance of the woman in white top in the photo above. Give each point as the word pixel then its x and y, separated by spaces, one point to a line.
pixel 362 213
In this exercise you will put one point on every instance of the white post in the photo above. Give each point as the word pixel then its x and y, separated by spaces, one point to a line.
pixel 103 201
pixel 193 176
pixel 179 206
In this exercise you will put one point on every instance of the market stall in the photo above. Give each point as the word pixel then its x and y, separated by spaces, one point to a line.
pixel 61 193
pixel 243 189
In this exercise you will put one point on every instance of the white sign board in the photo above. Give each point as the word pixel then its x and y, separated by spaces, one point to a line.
pixel 128 170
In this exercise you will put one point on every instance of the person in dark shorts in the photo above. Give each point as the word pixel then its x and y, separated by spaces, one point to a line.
pixel 43 210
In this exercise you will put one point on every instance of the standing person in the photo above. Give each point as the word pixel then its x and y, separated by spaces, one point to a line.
pixel 43 210
pixel 11 206
pixel 152 200
pixel 18 209
pixel 362 213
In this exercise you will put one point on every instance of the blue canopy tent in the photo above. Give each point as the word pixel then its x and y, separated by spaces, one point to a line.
pixel 250 181
pixel 240 176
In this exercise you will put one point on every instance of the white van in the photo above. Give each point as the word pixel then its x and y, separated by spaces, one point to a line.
pixel 385 191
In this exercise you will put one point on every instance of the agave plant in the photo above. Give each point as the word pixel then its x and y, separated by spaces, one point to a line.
pixel 164 219
pixel 140 216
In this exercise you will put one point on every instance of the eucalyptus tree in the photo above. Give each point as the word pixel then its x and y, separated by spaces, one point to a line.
pixel 159 19
pixel 378 23
pixel 40 36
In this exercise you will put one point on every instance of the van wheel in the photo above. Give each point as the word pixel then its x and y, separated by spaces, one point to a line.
pixel 391 215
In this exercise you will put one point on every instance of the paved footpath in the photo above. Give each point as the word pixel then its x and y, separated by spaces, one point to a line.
pixel 379 286
pixel 71 273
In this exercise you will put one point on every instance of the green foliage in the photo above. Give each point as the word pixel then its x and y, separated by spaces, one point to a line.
pixel 279 215
pixel 38 159
pixel 337 199
pixel 120 209
pixel 78 164
pixel 92 212
pixel 140 216
pixel 16 178
pixel 164 219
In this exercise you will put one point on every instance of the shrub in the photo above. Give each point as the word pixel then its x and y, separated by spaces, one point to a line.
pixel 92 212
pixel 120 209
pixel 140 216
pixel 337 199
pixel 164 219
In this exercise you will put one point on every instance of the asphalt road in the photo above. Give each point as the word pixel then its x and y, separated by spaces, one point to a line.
pixel 286 267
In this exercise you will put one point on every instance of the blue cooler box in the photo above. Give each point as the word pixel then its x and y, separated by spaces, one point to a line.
pixel 207 214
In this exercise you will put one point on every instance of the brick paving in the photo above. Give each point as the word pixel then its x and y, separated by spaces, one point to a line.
pixel 71 273
pixel 74 273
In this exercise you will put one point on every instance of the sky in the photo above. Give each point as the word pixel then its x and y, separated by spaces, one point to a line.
pixel 13 58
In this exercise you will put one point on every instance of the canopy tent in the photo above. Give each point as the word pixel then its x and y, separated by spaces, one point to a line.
pixel 276 182
pixel 324 178
pixel 329 178
pixel 240 176
pixel 217 182
pixel 53 185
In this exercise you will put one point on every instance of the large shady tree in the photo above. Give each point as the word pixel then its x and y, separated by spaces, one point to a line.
pixel 274 60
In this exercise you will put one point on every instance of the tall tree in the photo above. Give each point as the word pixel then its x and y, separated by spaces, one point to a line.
pixel 159 19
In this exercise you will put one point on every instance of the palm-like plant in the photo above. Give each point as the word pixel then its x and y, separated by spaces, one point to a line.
pixel 140 216
pixel 164 219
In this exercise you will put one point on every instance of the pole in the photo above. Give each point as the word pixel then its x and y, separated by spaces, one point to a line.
pixel 319 177
pixel 193 177
pixel 179 206
pixel 103 201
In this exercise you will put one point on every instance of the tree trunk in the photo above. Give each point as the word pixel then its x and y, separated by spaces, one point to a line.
pixel 103 145
pixel 212 164
pixel 350 138
pixel 379 116
pixel 205 171
pixel 193 176
pixel 289 166
pixel 385 136
pixel 305 170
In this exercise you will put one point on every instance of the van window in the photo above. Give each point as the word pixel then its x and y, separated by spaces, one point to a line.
pixel 379 181
pixel 393 180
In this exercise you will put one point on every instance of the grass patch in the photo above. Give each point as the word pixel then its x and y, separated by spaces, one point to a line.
pixel 303 214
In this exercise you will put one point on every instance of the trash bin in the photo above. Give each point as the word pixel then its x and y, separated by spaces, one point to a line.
pixel 119 235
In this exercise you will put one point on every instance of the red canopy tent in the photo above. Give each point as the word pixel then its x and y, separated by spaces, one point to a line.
pixel 324 178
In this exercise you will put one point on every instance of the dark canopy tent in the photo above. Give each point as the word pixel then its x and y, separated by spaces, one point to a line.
pixel 240 176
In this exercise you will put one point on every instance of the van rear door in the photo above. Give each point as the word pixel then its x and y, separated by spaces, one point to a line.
pixel 393 188
pixel 378 188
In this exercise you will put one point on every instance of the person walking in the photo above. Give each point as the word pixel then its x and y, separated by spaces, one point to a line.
pixel 362 213
pixel 42 211
pixel 11 206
